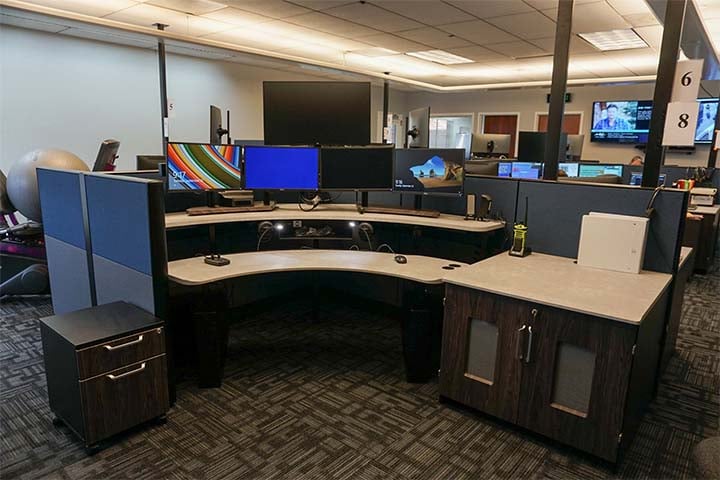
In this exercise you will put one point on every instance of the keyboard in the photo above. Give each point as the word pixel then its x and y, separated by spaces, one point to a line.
pixel 400 211
pixel 194 211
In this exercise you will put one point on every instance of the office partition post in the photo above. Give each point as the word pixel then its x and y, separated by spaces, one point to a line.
pixel 672 32
pixel 712 157
pixel 386 97
pixel 556 113
pixel 163 88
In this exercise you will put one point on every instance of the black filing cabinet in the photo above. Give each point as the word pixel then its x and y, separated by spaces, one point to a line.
pixel 106 369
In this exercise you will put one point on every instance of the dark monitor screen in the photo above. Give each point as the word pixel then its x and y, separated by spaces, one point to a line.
pixel 357 168
pixel 504 169
pixel 148 162
pixel 281 168
pixel 526 170
pixel 636 179
pixel 198 166
pixel 707 111
pixel 310 113
pixel 593 170
pixel 626 121
pixel 429 171
pixel 531 147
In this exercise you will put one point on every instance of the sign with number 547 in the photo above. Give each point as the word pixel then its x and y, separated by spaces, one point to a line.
pixel 687 80
pixel 680 124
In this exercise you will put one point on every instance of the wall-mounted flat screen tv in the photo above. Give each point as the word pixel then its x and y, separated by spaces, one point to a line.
pixel 621 121
pixel 707 111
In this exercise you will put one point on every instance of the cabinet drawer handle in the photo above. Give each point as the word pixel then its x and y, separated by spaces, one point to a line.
pixel 137 370
pixel 520 342
pixel 123 345
pixel 529 345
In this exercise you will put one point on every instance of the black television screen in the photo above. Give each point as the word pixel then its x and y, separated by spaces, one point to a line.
pixel 357 168
pixel 310 113
pixel 622 121
pixel 707 111
pixel 429 171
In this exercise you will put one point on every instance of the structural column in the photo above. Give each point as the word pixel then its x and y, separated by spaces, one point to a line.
pixel 163 88
pixel 557 90
pixel 386 99
pixel 712 158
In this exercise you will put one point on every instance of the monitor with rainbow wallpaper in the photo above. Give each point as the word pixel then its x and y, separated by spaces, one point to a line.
pixel 198 166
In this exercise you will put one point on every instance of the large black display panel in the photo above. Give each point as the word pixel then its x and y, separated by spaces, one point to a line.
pixel 309 113
pixel 357 168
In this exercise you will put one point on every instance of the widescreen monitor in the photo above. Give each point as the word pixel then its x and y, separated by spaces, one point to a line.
pixel 282 168
pixel 357 168
pixel 527 170
pixel 626 121
pixel 504 169
pixel 198 166
pixel 531 147
pixel 636 179
pixel 707 111
pixel 593 170
pixel 429 171
pixel 571 169
pixel 316 113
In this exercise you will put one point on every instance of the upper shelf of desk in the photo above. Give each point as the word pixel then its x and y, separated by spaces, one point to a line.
pixel 286 212
pixel 560 282
pixel 194 271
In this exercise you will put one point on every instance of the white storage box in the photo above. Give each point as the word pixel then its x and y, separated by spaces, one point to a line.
pixel 613 242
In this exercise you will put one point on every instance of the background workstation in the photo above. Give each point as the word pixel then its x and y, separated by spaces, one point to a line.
pixel 324 354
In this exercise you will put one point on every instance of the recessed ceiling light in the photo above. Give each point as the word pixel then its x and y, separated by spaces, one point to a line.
pixel 614 39
pixel 440 56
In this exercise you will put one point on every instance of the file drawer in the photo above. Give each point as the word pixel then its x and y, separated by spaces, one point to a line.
pixel 118 353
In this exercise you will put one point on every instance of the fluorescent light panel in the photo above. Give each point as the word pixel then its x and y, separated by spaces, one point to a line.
pixel 614 39
pixel 440 56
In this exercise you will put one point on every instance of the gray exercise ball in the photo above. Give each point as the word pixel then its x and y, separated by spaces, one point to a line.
pixel 22 185
pixel 6 206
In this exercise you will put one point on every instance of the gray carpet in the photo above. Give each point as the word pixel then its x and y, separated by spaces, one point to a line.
pixel 325 397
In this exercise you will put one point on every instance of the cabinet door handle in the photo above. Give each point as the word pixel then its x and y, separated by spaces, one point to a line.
pixel 123 345
pixel 131 372
pixel 520 342
pixel 529 345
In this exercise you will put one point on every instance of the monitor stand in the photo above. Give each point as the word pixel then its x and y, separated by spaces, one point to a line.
pixel 214 259
pixel 417 212
pixel 212 207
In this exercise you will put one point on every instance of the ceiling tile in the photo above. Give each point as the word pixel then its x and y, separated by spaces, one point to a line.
pixel 492 8
pixel 372 16
pixel 245 37
pixel 145 15
pixel 88 7
pixel 477 54
pixel 308 35
pixel 641 61
pixel 599 65
pixel 526 25
pixel 434 38
pixel 327 23
pixel 321 4
pixel 393 42
pixel 270 8
pixel 577 45
pixel 630 7
pixel 237 17
pixel 593 17
pixel 195 7
pixel 427 12
pixel 517 49
pixel 478 31
pixel 641 19
pixel 316 52
pixel 652 35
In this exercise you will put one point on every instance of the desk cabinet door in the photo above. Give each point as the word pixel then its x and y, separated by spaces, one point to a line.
pixel 575 381
pixel 479 366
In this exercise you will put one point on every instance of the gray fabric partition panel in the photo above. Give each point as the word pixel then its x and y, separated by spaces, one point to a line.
pixel 70 280
pixel 556 210
pixel 115 282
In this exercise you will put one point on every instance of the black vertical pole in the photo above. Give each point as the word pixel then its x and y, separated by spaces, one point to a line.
pixel 163 88
pixel 557 90
pixel 386 98
pixel 712 158
pixel 672 31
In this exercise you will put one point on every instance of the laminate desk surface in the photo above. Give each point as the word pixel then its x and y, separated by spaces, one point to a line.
pixel 194 271
pixel 713 210
pixel 345 212
pixel 560 282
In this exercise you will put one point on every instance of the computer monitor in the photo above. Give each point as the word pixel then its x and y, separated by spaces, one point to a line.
pixel 282 168
pixel 491 143
pixel 593 170
pixel 201 166
pixel 571 169
pixel 531 147
pixel 244 143
pixel 148 162
pixel 357 168
pixel 707 111
pixel 429 171
pixel 574 147
pixel 527 170
pixel 636 179
pixel 105 160
pixel 419 128
pixel 505 169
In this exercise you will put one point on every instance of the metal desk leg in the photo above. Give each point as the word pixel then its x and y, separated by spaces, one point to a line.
pixel 211 332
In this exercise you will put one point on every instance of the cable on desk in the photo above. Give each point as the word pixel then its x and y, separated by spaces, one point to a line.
pixel 354 247
pixel 262 235
pixel 389 248
pixel 367 235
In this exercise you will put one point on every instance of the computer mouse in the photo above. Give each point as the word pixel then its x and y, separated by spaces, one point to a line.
pixel 400 258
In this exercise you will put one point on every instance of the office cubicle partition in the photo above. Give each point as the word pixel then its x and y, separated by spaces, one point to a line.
pixel 126 220
pixel 66 242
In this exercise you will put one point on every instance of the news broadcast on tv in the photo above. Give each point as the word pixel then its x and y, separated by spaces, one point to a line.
pixel 621 121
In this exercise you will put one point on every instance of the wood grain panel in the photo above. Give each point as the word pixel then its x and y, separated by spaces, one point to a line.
pixel 461 306
pixel 98 359
pixel 595 431
pixel 572 123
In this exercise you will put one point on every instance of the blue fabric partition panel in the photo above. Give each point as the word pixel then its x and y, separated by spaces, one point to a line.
pixel 127 226
pixel 556 210
pixel 67 249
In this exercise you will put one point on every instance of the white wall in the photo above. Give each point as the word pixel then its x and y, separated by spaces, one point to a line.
pixel 527 102
pixel 70 93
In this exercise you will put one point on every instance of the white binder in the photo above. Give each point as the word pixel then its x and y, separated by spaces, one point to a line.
pixel 613 242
